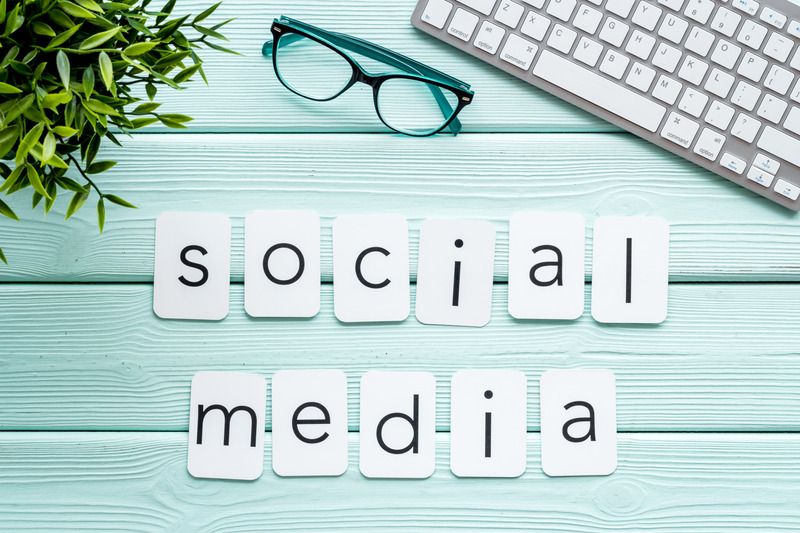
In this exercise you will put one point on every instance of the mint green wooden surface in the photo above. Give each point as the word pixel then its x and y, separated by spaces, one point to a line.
pixel 94 388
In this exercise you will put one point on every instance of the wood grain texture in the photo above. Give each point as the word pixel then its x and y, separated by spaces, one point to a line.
pixel 138 482
pixel 244 95
pixel 719 230
pixel 96 357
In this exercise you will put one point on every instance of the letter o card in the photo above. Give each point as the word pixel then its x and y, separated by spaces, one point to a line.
pixel 579 422
pixel 192 266
pixel 226 425
pixel 309 423
pixel 398 425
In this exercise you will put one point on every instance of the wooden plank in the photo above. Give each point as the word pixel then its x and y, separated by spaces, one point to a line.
pixel 139 482
pixel 96 357
pixel 244 95
pixel 719 230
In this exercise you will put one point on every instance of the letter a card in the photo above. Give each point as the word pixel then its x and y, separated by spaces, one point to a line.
pixel 192 266
pixel 226 425
pixel 579 422
pixel 398 425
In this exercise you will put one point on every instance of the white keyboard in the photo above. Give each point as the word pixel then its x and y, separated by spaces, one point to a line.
pixel 713 81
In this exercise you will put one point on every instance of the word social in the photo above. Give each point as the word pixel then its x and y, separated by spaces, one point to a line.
pixel 397 424
pixel 371 278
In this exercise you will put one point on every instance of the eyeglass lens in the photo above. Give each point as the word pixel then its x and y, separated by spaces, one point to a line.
pixel 410 106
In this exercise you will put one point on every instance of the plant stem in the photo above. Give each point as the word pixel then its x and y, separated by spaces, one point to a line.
pixel 87 178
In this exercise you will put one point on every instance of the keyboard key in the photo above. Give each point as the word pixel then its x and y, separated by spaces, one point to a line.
pixel 600 91
pixel 519 52
pixel 640 45
pixel 748 6
pixel 667 89
pixel 436 13
pixel 745 95
pixel 561 9
pixel 646 15
pixel 792 122
pixel 535 26
pixel 482 6
pixel 620 7
pixel 719 115
pixel 778 79
pixel 699 10
pixel 614 64
pixel 699 41
pixel 667 57
pixel 766 163
pixel 588 51
pixel 587 19
pixel 752 67
pixel 795 64
pixel 725 54
pixel 789 190
pixel 794 28
pixel 673 28
pixel 538 4
pixel 771 108
pixel 725 21
pixel 709 144
pixel 759 176
pixel 463 24
pixel 489 37
pixel 613 32
pixel 778 47
pixel 692 70
pixel 795 94
pixel 640 77
pixel 680 129
pixel 772 17
pixel 745 127
pixel 509 13
pixel 731 162
pixel 674 5
pixel 752 34
pixel 561 38
pixel 719 83
pixel 693 102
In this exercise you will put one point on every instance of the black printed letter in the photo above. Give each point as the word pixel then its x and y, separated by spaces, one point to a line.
pixel 198 266
pixel 301 263
pixel 360 276
pixel 326 419
pixel 590 419
pixel 201 414
pixel 558 263
pixel 413 446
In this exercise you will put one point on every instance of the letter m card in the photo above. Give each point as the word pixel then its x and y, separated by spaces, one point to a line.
pixel 226 425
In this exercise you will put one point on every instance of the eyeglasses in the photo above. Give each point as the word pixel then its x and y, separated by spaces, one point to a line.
pixel 314 64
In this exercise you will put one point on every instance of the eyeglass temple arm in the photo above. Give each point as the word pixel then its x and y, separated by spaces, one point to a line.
pixel 386 56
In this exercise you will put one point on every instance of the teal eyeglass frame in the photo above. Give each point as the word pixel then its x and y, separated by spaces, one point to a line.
pixel 286 31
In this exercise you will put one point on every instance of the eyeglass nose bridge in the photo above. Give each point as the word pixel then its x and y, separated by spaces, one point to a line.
pixel 363 77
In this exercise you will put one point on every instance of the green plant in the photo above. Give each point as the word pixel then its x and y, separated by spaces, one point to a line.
pixel 68 73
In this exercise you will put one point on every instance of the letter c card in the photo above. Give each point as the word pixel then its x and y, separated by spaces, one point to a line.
pixel 226 425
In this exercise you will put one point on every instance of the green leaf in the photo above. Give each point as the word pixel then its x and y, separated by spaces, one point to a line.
pixel 8 89
pixel 99 166
pixel 186 73
pixel 147 107
pixel 27 142
pixel 142 122
pixel 172 124
pixel 222 48
pixel 91 5
pixel 71 185
pixel 99 38
pixel 57 162
pixel 119 201
pixel 51 101
pixel 165 11
pixel 140 48
pixel 37 74
pixel 88 81
pixel 91 149
pixel 12 179
pixel 49 146
pixel 40 28
pixel 52 191
pixel 63 37
pixel 33 177
pixel 2 18
pixel 13 21
pixel 106 70
pixel 78 199
pixel 75 10
pixel 2 255
pixel 205 14
pixel 18 108
pixel 62 62
pixel 8 138
pixel 64 131
pixel 176 118
pixel 36 199
pixel 211 33
pixel 98 107
pixel 171 59
pixel 151 90
pixel 10 56
pixel 101 213
pixel 7 211
pixel 138 26
pixel 60 18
